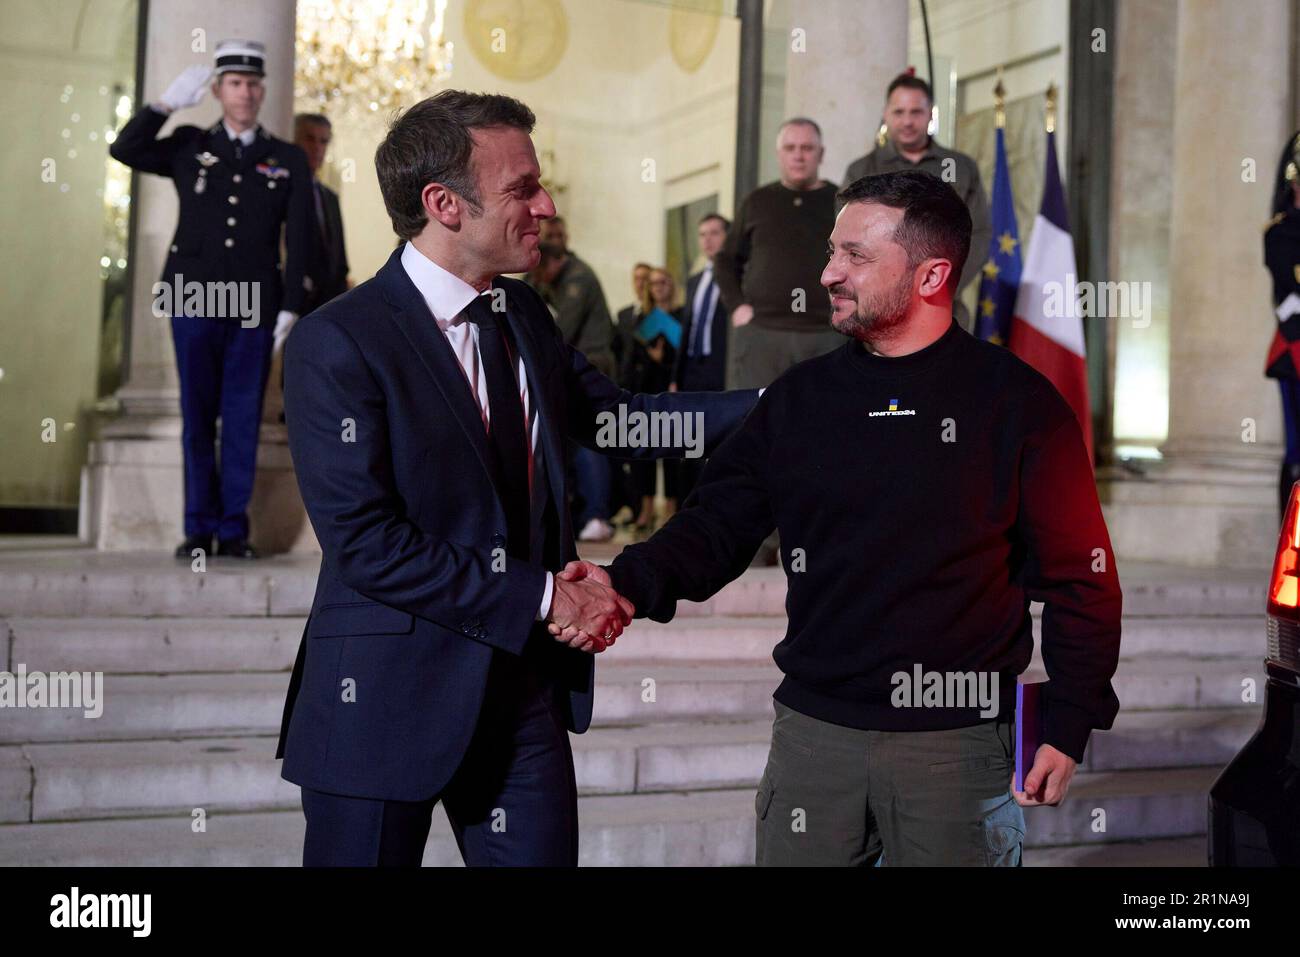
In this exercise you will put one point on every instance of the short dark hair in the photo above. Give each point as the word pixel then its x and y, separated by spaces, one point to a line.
pixel 935 223
pixel 317 119
pixel 726 223
pixel 909 81
pixel 432 143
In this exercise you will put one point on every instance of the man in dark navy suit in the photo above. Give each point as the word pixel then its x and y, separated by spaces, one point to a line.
pixel 327 256
pixel 242 191
pixel 427 411
pixel 702 359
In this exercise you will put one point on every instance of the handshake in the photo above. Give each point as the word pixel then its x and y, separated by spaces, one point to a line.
pixel 586 612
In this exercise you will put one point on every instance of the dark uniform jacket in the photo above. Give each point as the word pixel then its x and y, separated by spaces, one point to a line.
pixel 1282 257
pixel 327 258
pixel 229 227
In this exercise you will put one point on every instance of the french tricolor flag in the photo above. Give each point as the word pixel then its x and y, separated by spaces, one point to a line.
pixel 1047 330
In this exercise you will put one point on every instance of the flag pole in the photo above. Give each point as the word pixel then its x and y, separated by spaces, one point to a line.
pixel 1000 103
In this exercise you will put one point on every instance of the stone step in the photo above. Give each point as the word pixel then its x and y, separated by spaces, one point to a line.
pixel 1164 852
pixel 629 691
pixel 706 828
pixel 170 645
pixel 131 778
pixel 1171 739
pixel 84 583
pixel 134 778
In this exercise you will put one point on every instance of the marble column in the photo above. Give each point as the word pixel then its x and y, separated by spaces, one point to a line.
pixel 1212 501
pixel 840 57
pixel 132 489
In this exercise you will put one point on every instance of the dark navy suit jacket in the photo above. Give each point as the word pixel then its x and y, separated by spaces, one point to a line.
pixel 390 453
pixel 702 372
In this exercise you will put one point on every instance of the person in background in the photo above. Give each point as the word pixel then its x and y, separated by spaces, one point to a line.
pixel 909 145
pixel 1282 259
pixel 327 257
pixel 630 315
pixel 769 268
pixel 702 360
pixel 651 359
pixel 623 498
pixel 573 292
pixel 241 191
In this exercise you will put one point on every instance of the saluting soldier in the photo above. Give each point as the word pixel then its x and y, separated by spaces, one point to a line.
pixel 239 187
pixel 1282 258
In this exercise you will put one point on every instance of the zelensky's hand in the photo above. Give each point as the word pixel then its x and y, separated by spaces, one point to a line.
pixel 587 614
pixel 578 570
pixel 187 89
pixel 1048 780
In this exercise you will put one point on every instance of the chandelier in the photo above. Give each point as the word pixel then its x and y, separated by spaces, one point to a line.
pixel 359 58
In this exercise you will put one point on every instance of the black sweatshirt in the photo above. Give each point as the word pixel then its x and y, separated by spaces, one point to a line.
pixel 926 498
pixel 777 245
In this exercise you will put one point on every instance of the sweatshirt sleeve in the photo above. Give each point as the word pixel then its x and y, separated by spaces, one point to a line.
pixel 715 535
pixel 729 263
pixel 1070 567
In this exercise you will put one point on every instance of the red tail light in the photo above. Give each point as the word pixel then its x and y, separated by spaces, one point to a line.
pixel 1284 591
pixel 1284 587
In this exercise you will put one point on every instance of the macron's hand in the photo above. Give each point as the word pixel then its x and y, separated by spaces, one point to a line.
pixel 1048 780
pixel 188 88
pixel 742 314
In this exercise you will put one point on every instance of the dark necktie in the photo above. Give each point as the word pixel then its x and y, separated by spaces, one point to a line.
pixel 506 439
pixel 320 216
pixel 238 146
pixel 700 323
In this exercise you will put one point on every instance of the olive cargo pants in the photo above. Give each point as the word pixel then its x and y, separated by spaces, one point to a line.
pixel 832 795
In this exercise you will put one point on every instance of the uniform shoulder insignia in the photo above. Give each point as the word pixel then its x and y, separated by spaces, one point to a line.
pixel 1274 221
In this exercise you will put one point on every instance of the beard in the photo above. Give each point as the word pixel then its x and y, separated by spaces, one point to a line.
pixel 880 315
pixel 551 248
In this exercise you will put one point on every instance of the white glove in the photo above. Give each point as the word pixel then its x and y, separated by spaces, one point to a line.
pixel 187 89
pixel 284 321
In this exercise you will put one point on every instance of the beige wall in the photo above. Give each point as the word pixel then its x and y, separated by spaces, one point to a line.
pixel 615 99
pixel 53 238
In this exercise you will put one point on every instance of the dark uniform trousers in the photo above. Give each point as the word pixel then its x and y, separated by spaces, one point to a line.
pixel 223 369
pixel 513 801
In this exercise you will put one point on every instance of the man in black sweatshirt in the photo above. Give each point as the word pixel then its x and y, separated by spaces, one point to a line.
pixel 927 486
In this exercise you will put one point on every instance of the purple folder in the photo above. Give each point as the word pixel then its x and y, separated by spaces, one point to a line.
pixel 1029 727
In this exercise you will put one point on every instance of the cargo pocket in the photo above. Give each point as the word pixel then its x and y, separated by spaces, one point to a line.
pixel 763 799
pixel 1004 835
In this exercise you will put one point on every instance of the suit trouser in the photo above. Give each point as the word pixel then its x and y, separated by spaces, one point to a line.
pixel 512 802
pixel 832 795
pixel 223 369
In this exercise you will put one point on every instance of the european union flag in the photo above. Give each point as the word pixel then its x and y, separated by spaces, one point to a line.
pixel 1001 280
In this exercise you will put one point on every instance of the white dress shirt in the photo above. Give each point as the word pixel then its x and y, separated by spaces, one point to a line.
pixel 246 138
pixel 447 296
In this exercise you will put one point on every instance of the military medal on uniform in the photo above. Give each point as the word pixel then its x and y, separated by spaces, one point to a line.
pixel 205 159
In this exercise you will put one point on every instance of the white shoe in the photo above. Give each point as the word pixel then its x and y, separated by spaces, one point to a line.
pixel 596 530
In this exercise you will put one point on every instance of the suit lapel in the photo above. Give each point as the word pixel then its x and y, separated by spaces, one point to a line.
pixel 411 315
